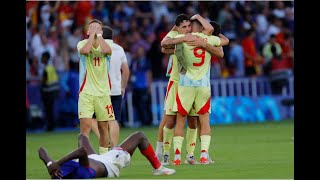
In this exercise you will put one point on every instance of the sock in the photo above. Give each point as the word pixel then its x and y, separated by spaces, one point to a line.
pixel 103 150
pixel 177 143
pixel 159 148
pixel 167 139
pixel 191 140
pixel 151 156
pixel 205 142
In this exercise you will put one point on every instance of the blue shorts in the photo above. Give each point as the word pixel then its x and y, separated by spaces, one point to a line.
pixel 73 170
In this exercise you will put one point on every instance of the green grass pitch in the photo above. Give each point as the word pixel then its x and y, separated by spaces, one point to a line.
pixel 240 151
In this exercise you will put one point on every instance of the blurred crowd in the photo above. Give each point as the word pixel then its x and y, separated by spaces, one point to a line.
pixel 261 34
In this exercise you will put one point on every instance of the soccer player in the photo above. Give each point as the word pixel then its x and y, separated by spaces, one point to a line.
pixel 84 163
pixel 94 93
pixel 118 74
pixel 182 27
pixel 194 85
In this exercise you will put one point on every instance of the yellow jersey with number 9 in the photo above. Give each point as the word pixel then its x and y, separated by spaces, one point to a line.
pixel 197 59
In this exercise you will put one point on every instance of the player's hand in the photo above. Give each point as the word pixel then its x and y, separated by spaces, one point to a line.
pixel 197 43
pixel 56 174
pixel 99 31
pixel 194 17
pixel 189 37
pixel 54 168
pixel 123 91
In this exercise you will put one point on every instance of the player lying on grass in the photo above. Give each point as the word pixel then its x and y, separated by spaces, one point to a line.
pixel 85 163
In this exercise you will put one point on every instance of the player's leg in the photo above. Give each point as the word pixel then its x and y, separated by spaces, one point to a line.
pixel 168 131
pixel 94 127
pixel 138 139
pixel 170 115
pixel 104 113
pixel 159 147
pixel 114 125
pixel 191 138
pixel 184 99
pixel 86 110
pixel 203 108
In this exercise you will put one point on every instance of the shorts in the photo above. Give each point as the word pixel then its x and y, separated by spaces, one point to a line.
pixel 114 160
pixel 73 170
pixel 116 104
pixel 170 100
pixel 189 97
pixel 100 105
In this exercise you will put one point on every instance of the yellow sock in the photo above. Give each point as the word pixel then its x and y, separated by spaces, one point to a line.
pixel 167 139
pixel 205 142
pixel 177 144
pixel 103 150
pixel 191 138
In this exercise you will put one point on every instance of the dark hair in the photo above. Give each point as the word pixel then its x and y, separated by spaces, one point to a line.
pixel 217 28
pixel 181 18
pixel 107 32
pixel 95 20
pixel 46 55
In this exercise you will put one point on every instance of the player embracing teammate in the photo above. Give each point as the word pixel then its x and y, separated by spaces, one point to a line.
pixel 188 91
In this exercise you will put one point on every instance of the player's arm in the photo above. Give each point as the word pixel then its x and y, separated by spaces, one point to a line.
pixel 171 42
pixel 213 50
pixel 223 40
pixel 124 77
pixel 167 50
pixel 79 153
pixel 106 49
pixel 208 28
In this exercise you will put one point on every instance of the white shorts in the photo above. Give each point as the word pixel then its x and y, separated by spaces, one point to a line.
pixel 114 160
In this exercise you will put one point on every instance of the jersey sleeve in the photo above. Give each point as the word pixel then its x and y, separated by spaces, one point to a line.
pixel 171 34
pixel 81 44
pixel 214 40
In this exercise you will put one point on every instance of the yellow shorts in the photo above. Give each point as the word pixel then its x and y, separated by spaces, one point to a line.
pixel 170 100
pixel 197 98
pixel 100 105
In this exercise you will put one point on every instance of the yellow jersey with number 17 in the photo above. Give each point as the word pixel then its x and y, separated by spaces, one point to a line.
pixel 197 61
pixel 93 71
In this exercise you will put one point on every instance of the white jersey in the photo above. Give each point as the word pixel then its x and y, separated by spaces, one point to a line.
pixel 114 160
pixel 118 57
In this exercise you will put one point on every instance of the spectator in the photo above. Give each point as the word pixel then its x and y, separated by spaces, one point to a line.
pixel 141 78
pixel 266 51
pixel 281 69
pixel 49 90
pixel 236 58
pixel 250 53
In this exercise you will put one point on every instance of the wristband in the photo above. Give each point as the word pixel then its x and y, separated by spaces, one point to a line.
pixel 99 35
pixel 49 163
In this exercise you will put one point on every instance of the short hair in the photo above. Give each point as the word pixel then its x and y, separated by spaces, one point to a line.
pixel 107 32
pixel 181 18
pixel 95 20
pixel 46 55
pixel 216 27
